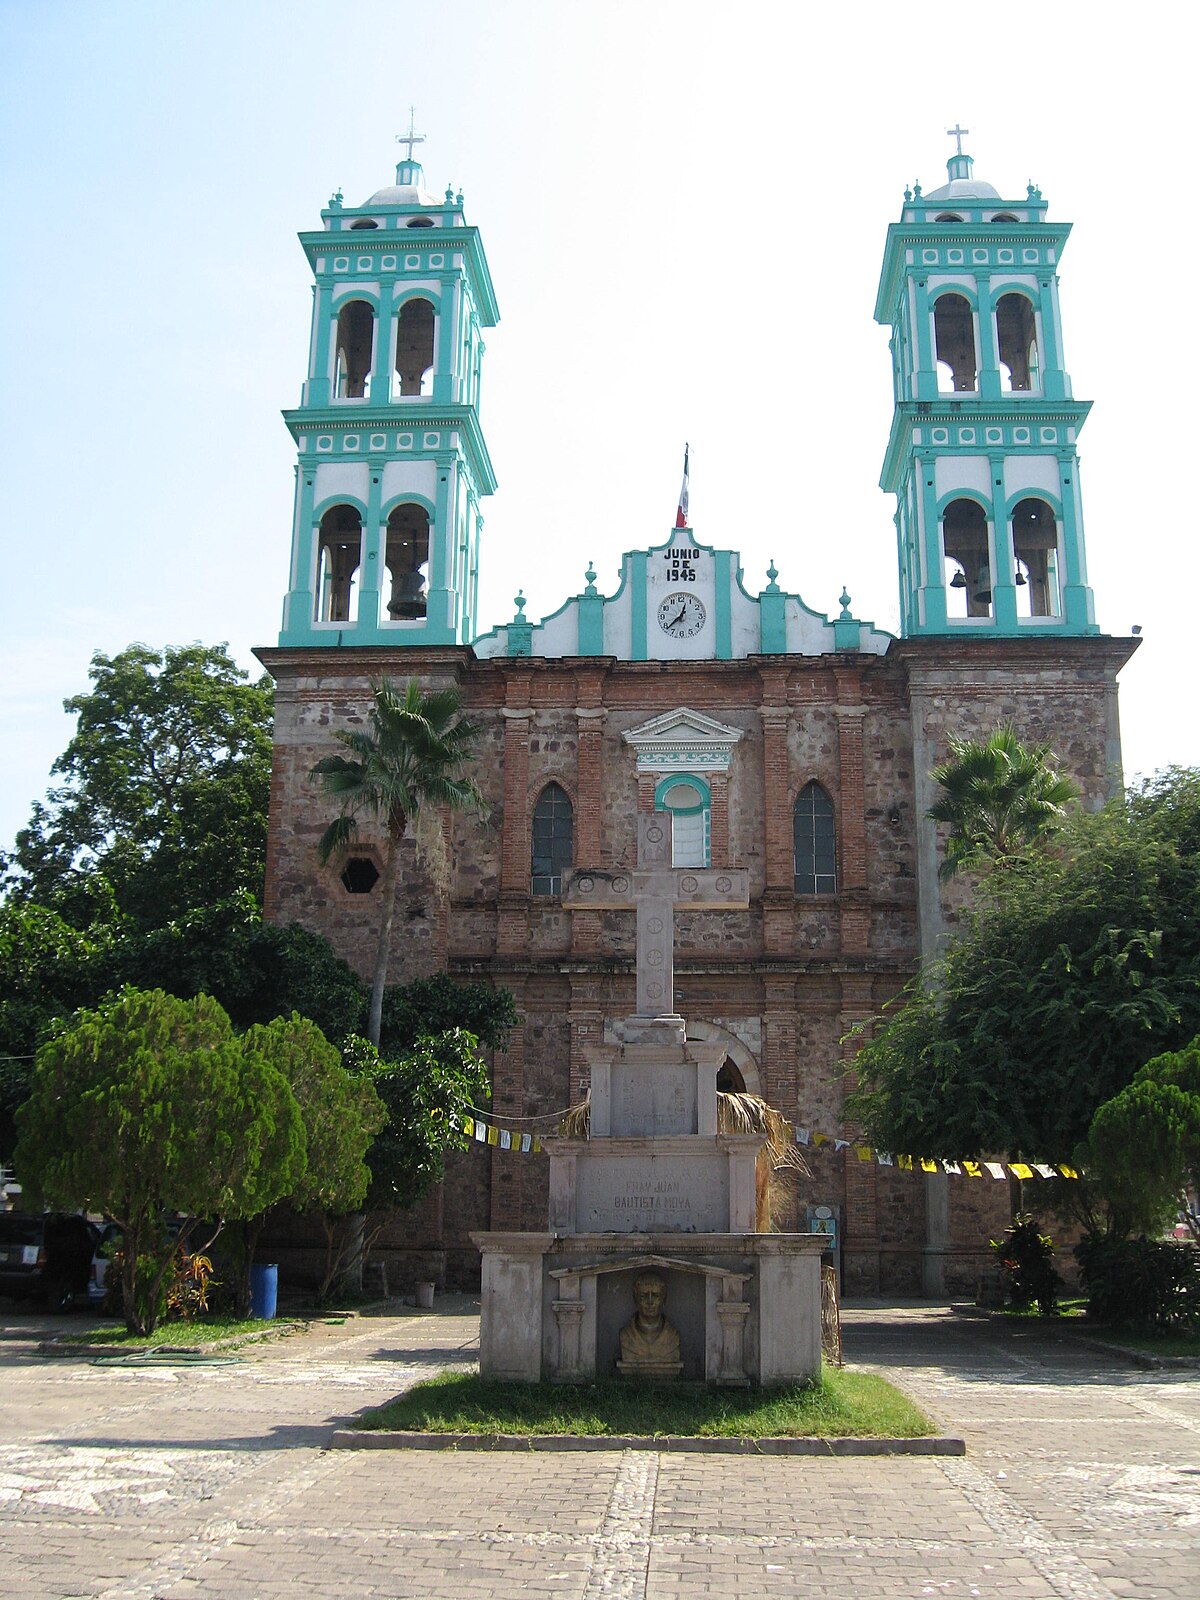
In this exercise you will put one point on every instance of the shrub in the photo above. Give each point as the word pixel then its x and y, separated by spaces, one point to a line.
pixel 1027 1261
pixel 1150 1283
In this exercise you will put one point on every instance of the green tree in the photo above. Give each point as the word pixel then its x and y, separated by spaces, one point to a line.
pixel 999 797
pixel 341 1112
pixel 164 803
pixel 257 970
pixel 1143 1149
pixel 151 1105
pixel 431 1006
pixel 412 758
pixel 1076 967
pixel 47 968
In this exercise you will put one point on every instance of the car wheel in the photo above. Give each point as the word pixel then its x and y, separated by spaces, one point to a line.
pixel 60 1296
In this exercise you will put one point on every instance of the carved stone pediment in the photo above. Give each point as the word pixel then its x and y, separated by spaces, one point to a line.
pixel 683 741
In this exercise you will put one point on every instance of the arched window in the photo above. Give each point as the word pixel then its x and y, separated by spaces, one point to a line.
pixel 553 840
pixel 815 842
pixel 1016 336
pixel 339 550
pixel 414 346
pixel 1035 558
pixel 968 563
pixel 407 560
pixel 687 799
pixel 954 343
pixel 355 343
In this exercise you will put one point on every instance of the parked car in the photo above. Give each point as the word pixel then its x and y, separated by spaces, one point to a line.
pixel 47 1254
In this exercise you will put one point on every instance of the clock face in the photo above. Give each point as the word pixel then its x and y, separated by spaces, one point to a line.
pixel 681 615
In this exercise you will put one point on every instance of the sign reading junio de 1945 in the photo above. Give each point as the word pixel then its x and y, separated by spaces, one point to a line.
pixel 680 563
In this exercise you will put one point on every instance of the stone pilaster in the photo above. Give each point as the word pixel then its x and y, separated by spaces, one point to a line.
pixel 779 888
pixel 512 920
pixel 589 808
pixel 852 840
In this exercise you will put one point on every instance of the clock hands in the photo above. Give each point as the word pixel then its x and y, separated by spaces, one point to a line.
pixel 679 616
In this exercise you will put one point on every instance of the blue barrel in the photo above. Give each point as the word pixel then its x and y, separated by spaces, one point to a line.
pixel 264 1290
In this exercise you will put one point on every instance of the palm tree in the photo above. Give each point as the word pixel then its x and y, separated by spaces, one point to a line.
pixel 411 758
pixel 998 797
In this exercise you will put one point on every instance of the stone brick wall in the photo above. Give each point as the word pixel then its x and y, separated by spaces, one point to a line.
pixel 796 974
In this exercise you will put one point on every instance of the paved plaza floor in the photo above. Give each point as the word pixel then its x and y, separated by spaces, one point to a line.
pixel 1082 1480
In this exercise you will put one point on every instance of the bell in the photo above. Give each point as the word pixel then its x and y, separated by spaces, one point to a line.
pixel 1019 580
pixel 959 580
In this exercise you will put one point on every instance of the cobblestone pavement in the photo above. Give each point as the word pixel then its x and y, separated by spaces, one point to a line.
pixel 1082 1481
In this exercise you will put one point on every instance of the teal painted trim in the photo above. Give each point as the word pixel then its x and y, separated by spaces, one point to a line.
pixel 414 417
pixel 670 781
pixel 1054 378
pixel 371 572
pixel 299 605
pixel 363 507
pixel 934 586
pixel 981 500
pixel 965 290
pixel 395 239
pixel 722 620
pixel 381 365
pixel 409 497
pixel 520 638
pixel 447 335
pixel 637 560
pixel 772 622
pixel 1007 507
pixel 321 362
pixel 591 625
pixel 441 531
pixel 926 373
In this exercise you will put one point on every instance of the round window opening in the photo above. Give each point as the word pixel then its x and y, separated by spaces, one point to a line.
pixel 360 875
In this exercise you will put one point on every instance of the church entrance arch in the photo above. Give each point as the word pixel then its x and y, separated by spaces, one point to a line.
pixel 739 1072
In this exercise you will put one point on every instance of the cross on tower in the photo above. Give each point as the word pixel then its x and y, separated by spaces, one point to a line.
pixel 653 890
pixel 958 134
pixel 410 138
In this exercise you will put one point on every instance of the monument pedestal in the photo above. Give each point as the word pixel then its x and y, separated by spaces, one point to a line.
pixel 656 1191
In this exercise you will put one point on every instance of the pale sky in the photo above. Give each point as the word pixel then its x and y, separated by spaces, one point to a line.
pixel 684 206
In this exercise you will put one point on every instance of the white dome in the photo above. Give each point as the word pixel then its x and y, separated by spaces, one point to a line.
pixel 963 189
pixel 402 195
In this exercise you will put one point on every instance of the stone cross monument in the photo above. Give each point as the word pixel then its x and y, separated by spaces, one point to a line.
pixel 653 890
pixel 656 1210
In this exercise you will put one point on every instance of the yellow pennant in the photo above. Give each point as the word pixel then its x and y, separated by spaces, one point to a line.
pixel 928 1164
pixel 1020 1170
pixel 972 1169
pixel 493 1136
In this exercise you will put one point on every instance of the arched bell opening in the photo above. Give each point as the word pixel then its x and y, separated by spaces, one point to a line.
pixel 1035 558
pixel 407 561
pixel 414 347
pixel 954 344
pixel 339 552
pixel 1016 338
pixel 968 564
pixel 355 344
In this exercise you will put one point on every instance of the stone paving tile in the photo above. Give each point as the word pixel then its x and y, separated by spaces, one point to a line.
pixel 1082 1483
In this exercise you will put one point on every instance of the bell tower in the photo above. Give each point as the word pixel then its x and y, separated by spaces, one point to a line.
pixel 392 464
pixel 982 452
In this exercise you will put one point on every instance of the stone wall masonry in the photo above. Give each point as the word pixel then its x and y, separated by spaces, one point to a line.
pixel 797 972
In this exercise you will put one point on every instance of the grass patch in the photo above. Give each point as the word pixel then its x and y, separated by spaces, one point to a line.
pixel 203 1331
pixel 843 1404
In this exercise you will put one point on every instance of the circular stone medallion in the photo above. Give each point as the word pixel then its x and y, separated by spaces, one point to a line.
pixel 689 885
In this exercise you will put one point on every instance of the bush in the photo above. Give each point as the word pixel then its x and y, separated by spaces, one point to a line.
pixel 1027 1261
pixel 1147 1283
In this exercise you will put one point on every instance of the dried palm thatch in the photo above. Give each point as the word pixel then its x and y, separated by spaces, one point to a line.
pixel 779 1162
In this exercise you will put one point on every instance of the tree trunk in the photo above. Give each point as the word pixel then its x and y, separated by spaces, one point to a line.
pixel 391 871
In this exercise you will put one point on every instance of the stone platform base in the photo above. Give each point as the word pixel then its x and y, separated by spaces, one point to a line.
pixel 747 1306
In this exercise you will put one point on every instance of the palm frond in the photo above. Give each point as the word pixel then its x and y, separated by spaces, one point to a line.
pixel 337 838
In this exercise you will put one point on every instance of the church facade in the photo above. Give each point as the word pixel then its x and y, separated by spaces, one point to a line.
pixel 781 741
